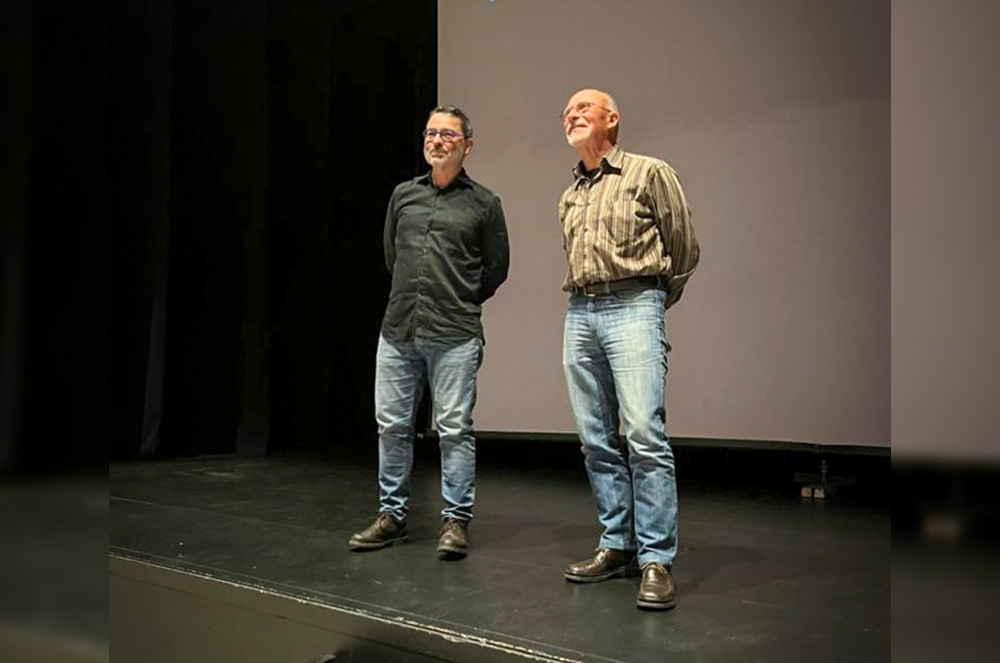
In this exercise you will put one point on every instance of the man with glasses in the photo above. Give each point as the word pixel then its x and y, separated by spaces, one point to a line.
pixel 630 249
pixel 446 247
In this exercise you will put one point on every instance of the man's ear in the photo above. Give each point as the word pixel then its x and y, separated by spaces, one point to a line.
pixel 468 146
pixel 613 118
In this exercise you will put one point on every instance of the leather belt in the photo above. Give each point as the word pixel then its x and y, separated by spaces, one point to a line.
pixel 631 283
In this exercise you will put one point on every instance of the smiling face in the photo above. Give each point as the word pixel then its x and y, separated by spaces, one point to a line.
pixel 443 153
pixel 588 119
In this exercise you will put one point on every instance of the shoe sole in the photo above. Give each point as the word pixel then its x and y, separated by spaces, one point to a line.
pixel 362 545
pixel 617 573
pixel 655 605
pixel 449 553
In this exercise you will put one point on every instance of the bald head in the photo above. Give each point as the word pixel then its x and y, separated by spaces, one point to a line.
pixel 610 101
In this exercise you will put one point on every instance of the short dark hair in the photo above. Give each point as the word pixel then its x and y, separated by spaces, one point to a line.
pixel 455 111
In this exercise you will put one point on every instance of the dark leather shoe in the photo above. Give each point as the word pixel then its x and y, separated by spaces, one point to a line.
pixel 454 541
pixel 657 591
pixel 385 531
pixel 605 564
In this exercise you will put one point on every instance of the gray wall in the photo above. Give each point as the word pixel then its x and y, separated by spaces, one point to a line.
pixel 946 230
pixel 776 114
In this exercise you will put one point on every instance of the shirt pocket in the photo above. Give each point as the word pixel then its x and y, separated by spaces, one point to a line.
pixel 624 217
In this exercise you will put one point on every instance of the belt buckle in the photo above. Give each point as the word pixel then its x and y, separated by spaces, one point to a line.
pixel 598 289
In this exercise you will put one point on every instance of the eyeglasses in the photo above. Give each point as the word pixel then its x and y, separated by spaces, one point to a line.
pixel 447 135
pixel 580 108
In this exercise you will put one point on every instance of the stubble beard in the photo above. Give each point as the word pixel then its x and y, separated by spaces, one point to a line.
pixel 576 138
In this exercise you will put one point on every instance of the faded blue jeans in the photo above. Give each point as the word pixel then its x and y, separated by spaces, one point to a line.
pixel 400 371
pixel 615 360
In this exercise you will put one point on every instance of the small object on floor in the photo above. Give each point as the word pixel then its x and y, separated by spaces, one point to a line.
pixel 817 491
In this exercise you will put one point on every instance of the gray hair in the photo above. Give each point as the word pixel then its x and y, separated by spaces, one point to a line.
pixel 455 111
pixel 613 105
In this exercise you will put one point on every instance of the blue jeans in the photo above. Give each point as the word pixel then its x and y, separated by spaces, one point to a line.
pixel 615 360
pixel 400 371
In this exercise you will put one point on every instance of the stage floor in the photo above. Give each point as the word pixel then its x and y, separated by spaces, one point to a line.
pixel 762 574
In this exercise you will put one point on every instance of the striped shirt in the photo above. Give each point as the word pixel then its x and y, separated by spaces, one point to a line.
pixel 630 218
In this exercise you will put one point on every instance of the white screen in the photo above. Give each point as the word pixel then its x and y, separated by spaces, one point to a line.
pixel 776 115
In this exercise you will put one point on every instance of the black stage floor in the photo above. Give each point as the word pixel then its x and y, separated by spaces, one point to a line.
pixel 762 574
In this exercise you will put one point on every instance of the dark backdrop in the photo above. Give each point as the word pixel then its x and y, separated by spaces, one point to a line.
pixel 254 146
pixel 53 255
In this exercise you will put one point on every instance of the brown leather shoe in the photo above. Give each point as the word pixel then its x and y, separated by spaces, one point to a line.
pixel 657 591
pixel 384 531
pixel 454 541
pixel 605 564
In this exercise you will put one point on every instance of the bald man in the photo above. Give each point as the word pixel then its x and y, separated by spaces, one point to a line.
pixel 630 249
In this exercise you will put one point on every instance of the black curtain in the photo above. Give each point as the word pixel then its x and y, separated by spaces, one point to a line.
pixel 254 146
pixel 53 239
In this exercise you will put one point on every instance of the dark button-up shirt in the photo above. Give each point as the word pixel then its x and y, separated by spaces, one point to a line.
pixel 628 218
pixel 448 253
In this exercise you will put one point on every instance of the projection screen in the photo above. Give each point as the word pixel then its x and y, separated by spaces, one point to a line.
pixel 776 115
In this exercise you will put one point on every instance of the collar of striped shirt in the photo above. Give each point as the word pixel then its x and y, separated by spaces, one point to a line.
pixel 611 162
